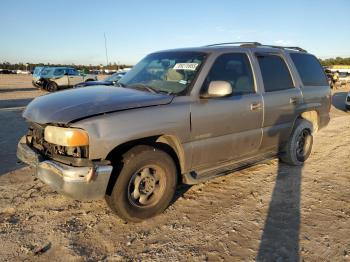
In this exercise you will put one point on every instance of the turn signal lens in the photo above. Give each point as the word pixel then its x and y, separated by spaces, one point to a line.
pixel 66 136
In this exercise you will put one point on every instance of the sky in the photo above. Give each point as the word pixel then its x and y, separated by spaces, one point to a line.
pixel 72 31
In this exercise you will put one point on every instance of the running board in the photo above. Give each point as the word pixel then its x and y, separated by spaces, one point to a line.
pixel 194 177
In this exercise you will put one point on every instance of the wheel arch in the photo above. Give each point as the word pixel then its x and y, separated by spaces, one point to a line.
pixel 313 117
pixel 168 143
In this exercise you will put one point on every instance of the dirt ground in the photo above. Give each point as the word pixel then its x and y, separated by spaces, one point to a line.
pixel 269 212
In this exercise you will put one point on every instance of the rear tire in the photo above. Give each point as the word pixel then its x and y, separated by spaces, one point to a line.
pixel 145 185
pixel 52 87
pixel 299 146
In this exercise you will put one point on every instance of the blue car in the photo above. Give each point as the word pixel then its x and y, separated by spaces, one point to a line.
pixel 108 81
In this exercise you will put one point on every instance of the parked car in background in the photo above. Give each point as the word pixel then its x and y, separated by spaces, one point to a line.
pixel 344 78
pixel 108 81
pixel 347 102
pixel 7 72
pixel 54 78
pixel 190 114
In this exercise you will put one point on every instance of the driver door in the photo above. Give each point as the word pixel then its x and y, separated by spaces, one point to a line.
pixel 227 128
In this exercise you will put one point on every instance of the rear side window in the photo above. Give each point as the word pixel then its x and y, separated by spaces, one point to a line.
pixel 233 68
pixel 309 69
pixel 274 72
pixel 72 72
pixel 58 72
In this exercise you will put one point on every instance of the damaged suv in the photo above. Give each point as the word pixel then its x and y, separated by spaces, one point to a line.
pixel 55 78
pixel 179 115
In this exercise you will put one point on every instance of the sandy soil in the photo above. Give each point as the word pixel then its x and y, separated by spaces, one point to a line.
pixel 269 212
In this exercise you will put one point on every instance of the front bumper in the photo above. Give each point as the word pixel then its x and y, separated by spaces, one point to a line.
pixel 82 183
pixel 37 84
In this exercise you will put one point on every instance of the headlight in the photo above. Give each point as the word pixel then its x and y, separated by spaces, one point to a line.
pixel 66 136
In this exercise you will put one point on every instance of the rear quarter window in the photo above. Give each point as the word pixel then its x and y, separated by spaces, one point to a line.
pixel 309 69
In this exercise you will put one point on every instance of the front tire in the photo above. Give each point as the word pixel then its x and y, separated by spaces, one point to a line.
pixel 52 87
pixel 299 146
pixel 145 185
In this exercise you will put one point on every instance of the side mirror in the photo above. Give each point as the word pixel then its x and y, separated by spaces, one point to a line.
pixel 218 89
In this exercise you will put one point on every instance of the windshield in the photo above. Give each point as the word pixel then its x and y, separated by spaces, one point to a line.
pixel 38 69
pixel 114 77
pixel 170 72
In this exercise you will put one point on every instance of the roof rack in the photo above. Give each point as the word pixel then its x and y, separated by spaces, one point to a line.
pixel 287 47
pixel 235 43
pixel 257 44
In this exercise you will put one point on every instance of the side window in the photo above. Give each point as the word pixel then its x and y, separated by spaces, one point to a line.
pixel 58 72
pixel 274 72
pixel 309 69
pixel 234 68
pixel 72 72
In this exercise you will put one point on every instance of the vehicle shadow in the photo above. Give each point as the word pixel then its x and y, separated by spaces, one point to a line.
pixel 280 237
pixel 338 100
pixel 14 103
pixel 13 127
pixel 181 189
pixel 6 90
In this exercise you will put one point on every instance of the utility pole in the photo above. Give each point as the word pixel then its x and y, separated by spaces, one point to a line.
pixel 106 48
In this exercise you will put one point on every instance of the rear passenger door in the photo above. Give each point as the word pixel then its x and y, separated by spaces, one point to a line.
pixel 74 77
pixel 282 100
pixel 62 79
pixel 227 128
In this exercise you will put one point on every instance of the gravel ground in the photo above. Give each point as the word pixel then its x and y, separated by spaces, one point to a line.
pixel 269 212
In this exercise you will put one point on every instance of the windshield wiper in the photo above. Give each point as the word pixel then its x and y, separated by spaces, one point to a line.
pixel 145 87
pixel 149 88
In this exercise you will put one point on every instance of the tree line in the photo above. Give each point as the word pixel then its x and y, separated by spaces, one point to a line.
pixel 115 66
pixel 31 66
pixel 335 61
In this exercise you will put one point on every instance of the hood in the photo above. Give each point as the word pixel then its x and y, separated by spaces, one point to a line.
pixel 66 106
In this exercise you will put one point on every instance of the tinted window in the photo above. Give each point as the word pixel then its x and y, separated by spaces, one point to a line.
pixel 58 72
pixel 275 73
pixel 309 69
pixel 235 69
pixel 72 72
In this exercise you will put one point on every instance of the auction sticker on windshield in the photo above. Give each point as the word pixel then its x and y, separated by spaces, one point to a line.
pixel 186 66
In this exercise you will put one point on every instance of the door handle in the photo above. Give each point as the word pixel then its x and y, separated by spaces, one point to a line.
pixel 255 106
pixel 293 100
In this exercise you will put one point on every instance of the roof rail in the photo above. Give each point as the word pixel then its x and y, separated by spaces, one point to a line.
pixel 235 43
pixel 257 44
pixel 287 47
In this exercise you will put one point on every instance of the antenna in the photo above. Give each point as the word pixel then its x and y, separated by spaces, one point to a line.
pixel 104 34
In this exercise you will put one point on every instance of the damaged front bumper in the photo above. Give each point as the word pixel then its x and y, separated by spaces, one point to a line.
pixel 37 84
pixel 82 183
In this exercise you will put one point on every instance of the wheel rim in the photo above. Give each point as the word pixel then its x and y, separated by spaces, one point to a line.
pixel 303 144
pixel 50 87
pixel 146 186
